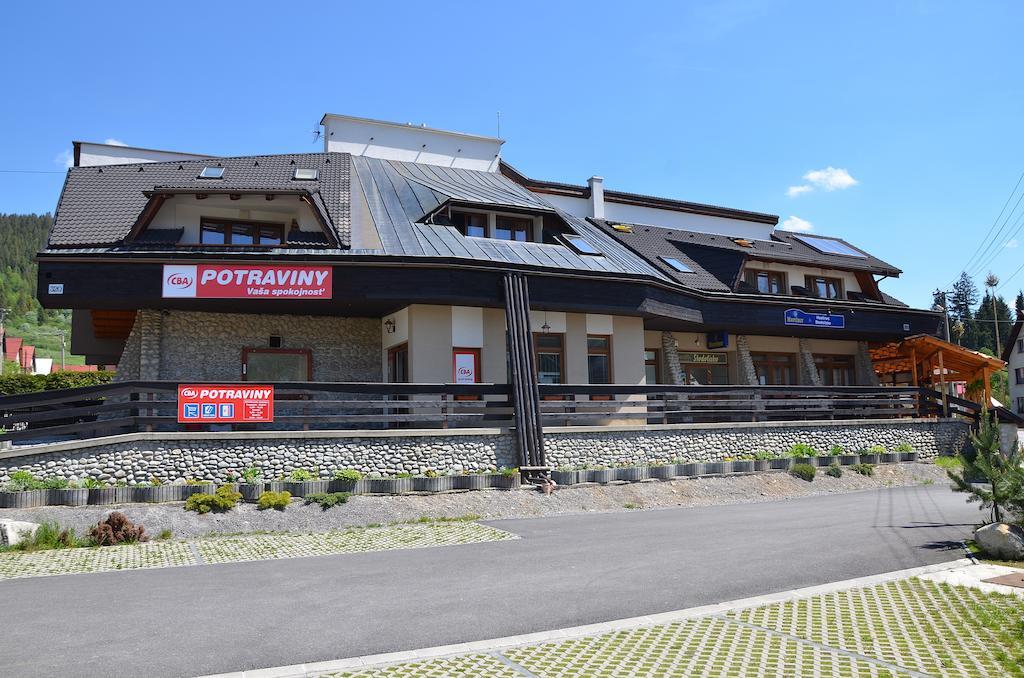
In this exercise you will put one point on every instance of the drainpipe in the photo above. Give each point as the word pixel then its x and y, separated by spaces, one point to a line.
pixel 596 185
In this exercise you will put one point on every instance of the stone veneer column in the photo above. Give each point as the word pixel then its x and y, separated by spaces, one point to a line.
pixel 808 370
pixel 670 348
pixel 151 326
pixel 863 367
pixel 744 363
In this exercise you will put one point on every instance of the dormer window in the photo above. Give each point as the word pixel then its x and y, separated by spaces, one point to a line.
pixel 513 228
pixel 240 233
pixel 212 173
pixel 766 282
pixel 305 174
pixel 470 224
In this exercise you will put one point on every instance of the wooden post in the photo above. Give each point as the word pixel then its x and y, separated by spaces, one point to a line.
pixel 913 366
pixel 988 388
pixel 942 381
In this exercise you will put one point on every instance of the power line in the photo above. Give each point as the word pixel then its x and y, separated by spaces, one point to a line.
pixel 1017 225
pixel 992 227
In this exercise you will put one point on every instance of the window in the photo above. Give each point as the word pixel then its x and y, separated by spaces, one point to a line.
pixel 398 364
pixel 774 369
pixel 1020 346
pixel 767 282
pixel 1020 405
pixel 472 224
pixel 579 244
pixel 305 174
pixel 225 232
pixel 677 265
pixel 828 246
pixel 835 370
pixel 599 359
pixel 825 288
pixel 276 364
pixel 550 351
pixel 1019 373
pixel 652 366
pixel 212 173
pixel 513 228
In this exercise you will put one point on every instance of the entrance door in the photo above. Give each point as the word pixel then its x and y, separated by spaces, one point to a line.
pixel 398 364
pixel 775 369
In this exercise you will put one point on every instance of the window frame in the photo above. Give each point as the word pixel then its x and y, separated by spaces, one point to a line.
pixel 255 226
pixel 1018 373
pixel 1020 346
pixel 834 361
pixel 776 358
pixel 751 275
pixel 525 222
pixel 605 352
pixel 462 228
pixel 810 282
pixel 655 362
pixel 537 351
pixel 248 350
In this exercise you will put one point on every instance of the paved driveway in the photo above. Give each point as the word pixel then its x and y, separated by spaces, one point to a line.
pixel 565 571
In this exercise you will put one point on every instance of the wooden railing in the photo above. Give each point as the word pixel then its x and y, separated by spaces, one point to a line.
pixel 108 409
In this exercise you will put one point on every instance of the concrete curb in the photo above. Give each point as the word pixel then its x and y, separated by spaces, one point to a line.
pixel 497 644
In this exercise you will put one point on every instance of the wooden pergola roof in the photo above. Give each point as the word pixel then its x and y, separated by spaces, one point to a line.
pixel 929 359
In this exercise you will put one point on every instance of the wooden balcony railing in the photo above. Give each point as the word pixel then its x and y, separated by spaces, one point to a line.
pixel 124 407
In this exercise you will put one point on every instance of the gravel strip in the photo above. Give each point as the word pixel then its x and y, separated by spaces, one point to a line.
pixel 489 504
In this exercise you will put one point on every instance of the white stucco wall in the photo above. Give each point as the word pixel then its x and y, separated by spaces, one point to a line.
pixel 1016 390
pixel 185 211
pixel 91 154
pixel 410 143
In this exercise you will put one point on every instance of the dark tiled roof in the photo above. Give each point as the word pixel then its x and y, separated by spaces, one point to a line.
pixel 164 236
pixel 100 204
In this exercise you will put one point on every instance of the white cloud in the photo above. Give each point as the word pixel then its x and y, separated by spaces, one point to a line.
pixel 797 224
pixel 831 178
pixel 1012 244
pixel 114 142
pixel 794 191
pixel 65 158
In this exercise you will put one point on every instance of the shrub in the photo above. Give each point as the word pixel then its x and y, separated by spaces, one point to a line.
pixel 834 470
pixel 904 447
pixel 251 474
pixel 56 483
pixel 1001 489
pixel 22 481
pixel 117 529
pixel 802 450
pixel 165 534
pixel 274 500
pixel 764 455
pixel 93 484
pixel 863 469
pixel 508 472
pixel 28 383
pixel 348 475
pixel 49 535
pixel 836 450
pixel 877 449
pixel 803 472
pixel 224 499
pixel 327 500
pixel 300 475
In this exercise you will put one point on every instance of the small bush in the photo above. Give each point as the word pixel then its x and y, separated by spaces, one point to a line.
pixel 326 500
pixel 863 469
pixel 802 450
pixel 803 472
pixel 224 499
pixel 349 475
pixel 48 536
pixel 274 500
pixel 877 449
pixel 251 474
pixel 300 475
pixel 904 447
pixel 117 529
pixel 165 534
pixel 836 450
pixel 22 481
pixel 56 483
pixel 509 472
pixel 834 470
pixel 93 484
pixel 764 455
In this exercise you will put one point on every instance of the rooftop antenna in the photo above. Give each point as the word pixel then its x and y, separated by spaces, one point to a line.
pixel 499 124
pixel 316 133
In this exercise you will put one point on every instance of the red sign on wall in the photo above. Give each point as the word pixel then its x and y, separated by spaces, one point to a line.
pixel 225 404
pixel 229 281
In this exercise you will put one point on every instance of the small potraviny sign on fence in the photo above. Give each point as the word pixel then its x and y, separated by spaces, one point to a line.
pixel 225 404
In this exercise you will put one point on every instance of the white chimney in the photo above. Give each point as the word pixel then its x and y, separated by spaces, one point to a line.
pixel 596 185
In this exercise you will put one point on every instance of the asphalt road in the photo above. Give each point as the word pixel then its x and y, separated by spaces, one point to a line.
pixel 565 571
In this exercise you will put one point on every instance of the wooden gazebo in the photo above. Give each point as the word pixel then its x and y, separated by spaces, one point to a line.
pixel 930 361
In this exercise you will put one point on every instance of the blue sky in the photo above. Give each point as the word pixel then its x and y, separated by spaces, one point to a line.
pixel 915 106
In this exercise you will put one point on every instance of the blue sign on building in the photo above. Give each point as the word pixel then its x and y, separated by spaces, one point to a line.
pixel 795 316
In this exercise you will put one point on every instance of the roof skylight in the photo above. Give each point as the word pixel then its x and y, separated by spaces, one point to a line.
pixel 677 265
pixel 579 244
pixel 828 246
pixel 212 173
pixel 305 174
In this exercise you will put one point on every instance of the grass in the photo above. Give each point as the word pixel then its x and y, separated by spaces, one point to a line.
pixel 980 555
pixel 948 463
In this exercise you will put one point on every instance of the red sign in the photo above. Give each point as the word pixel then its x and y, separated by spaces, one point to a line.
pixel 225 404
pixel 229 281
pixel 464 365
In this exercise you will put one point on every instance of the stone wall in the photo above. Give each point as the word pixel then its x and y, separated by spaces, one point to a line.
pixel 136 458
pixel 714 442
pixel 195 346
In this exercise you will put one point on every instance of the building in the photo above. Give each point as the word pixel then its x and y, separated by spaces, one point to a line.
pixel 409 255
pixel 1013 356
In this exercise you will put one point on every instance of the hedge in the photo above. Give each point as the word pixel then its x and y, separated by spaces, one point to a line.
pixel 27 383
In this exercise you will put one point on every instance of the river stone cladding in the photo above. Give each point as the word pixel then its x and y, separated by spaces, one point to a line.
pixel 928 438
pixel 183 458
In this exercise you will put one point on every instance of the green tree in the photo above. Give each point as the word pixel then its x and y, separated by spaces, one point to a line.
pixel 984 327
pixel 961 306
pixel 1018 305
pixel 988 476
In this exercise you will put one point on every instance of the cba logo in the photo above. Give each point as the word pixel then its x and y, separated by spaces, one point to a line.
pixel 189 393
pixel 180 281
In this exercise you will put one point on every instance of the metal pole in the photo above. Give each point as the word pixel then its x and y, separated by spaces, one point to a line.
pixel 62 333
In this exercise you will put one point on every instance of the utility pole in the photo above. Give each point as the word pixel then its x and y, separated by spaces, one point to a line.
pixel 945 312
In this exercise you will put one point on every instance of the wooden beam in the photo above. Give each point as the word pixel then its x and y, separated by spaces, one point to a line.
pixel 988 387
pixel 942 380
pixel 913 366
